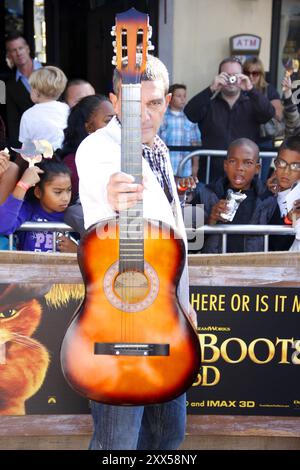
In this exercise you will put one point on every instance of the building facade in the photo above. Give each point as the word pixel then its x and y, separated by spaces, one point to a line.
pixel 190 36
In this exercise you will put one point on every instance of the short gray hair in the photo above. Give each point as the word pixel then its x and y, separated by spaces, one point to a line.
pixel 155 70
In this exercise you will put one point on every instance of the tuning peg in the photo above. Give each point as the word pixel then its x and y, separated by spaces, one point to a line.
pixel 114 60
pixel 113 31
pixel 150 46
pixel 149 32
pixel 114 43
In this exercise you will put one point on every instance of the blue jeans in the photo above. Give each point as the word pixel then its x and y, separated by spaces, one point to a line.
pixel 152 427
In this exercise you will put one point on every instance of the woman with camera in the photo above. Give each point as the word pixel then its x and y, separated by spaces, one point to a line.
pixel 254 69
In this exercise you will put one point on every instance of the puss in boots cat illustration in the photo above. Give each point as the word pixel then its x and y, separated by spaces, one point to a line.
pixel 23 360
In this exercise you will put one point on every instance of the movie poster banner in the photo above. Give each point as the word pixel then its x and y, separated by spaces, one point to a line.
pixel 250 342
pixel 33 321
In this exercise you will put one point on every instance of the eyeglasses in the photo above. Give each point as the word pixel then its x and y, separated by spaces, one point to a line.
pixel 282 165
pixel 255 73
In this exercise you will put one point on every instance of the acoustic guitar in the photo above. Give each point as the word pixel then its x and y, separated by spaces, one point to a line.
pixel 131 342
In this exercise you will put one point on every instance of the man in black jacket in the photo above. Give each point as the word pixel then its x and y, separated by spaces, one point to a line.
pixel 17 88
pixel 230 108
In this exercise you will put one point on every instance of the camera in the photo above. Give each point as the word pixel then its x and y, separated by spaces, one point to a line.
pixel 232 79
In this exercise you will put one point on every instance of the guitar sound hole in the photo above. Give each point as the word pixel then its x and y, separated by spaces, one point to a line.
pixel 131 286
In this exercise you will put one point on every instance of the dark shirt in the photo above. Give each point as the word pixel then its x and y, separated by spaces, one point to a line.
pixel 220 125
pixel 279 242
pixel 236 243
pixel 17 102
pixel 2 134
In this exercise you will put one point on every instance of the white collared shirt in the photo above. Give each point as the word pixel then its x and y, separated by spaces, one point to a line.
pixel 97 158
pixel 45 121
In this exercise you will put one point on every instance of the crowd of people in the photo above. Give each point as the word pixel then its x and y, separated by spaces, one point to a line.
pixel 83 183
pixel 239 111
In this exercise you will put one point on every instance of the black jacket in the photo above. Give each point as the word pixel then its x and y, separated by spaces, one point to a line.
pixel 220 125
pixel 17 102
pixel 264 207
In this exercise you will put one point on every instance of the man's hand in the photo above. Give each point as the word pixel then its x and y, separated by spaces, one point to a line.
pixel 219 82
pixel 122 192
pixel 244 82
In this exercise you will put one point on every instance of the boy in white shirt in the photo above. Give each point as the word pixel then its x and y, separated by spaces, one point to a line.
pixel 47 119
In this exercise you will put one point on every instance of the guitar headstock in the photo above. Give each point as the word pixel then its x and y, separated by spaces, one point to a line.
pixel 132 44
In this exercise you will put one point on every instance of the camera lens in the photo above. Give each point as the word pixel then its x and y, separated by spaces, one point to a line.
pixel 232 79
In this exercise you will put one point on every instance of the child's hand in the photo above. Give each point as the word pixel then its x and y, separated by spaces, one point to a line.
pixel 31 175
pixel 216 212
pixel 286 86
pixel 272 183
pixel 294 213
pixel 188 182
pixel 296 209
pixel 4 162
pixel 65 245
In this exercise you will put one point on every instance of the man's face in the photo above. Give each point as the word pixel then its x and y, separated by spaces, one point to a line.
pixel 76 92
pixel 231 68
pixel 18 52
pixel 154 103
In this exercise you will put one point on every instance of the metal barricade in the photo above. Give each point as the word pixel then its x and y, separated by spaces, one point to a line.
pixel 54 227
pixel 225 230
pixel 221 229
pixel 212 153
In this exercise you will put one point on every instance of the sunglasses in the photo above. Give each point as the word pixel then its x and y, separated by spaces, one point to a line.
pixel 255 73
pixel 282 164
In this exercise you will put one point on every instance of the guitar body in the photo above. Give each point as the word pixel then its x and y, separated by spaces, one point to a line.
pixel 130 342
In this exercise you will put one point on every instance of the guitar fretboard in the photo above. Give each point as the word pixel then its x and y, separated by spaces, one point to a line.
pixel 131 253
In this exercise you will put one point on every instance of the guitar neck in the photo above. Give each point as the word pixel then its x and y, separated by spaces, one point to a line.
pixel 131 252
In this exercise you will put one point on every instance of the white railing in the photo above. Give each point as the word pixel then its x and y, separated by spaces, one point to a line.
pixel 220 229
pixel 225 230
pixel 54 227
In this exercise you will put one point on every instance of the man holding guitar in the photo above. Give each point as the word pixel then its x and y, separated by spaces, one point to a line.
pixel 155 422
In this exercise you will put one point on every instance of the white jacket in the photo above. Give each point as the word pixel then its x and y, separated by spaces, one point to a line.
pixel 97 158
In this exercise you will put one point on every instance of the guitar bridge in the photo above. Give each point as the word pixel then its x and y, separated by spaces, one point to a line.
pixel 132 349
